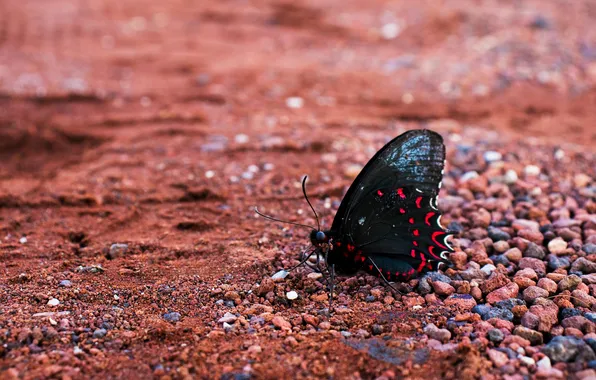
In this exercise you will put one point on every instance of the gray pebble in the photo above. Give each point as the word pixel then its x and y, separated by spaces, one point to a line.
pixel 497 235
pixel 563 348
pixel 556 262
pixel 100 333
pixel 65 283
pixel 172 317
pixel 535 251
pixel 495 335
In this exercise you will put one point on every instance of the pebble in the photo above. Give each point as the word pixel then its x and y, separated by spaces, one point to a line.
pixel 495 335
pixel 280 275
pixel 536 264
pixel 53 302
pixel 510 177
pixel 463 302
pixel 569 283
pixel 497 234
pixel 281 323
pixel 508 291
pixel 498 313
pixel 442 288
pixel 266 286
pixel 514 255
pixel 498 358
pixel 563 348
pixel 533 336
pixel 492 156
pixel 548 285
pixel 556 262
pixel 117 250
pixel 532 170
pixel 557 246
pixel 23 240
pixel 535 251
pixel 228 318
pixel 100 333
pixel 65 283
pixel 488 269
pixel 533 292
pixel 583 265
pixel 442 335
pixel 291 295
pixel 295 102
pixel 172 317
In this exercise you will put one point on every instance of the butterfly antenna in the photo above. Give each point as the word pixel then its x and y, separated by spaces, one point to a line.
pixel 310 204
pixel 282 221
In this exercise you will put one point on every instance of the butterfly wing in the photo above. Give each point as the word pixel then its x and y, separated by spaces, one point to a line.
pixel 389 214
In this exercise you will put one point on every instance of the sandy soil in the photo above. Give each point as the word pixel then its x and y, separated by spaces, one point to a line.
pixel 160 125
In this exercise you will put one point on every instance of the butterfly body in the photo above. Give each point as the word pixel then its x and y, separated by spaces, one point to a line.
pixel 388 222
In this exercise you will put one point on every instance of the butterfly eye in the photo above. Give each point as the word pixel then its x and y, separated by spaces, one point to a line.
pixel 320 236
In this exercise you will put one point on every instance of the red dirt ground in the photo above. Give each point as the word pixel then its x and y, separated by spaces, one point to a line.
pixel 162 124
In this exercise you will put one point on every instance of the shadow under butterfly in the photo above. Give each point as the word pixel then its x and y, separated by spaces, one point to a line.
pixel 388 223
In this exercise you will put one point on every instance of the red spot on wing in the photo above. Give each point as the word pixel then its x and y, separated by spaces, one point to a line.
pixel 416 233
pixel 413 253
pixel 379 193
pixel 430 250
pixel 434 238
pixel 411 220
pixel 418 200
pixel 338 243
pixel 362 258
pixel 402 210
pixel 422 263
pixel 400 192
pixel 370 267
pixel 351 248
pixel 415 243
pixel 428 216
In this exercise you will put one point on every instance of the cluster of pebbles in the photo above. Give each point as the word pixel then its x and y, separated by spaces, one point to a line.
pixel 523 282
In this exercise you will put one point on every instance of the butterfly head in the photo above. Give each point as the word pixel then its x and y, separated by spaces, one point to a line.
pixel 318 238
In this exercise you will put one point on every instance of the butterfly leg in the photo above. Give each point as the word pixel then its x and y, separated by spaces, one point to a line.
pixel 303 261
pixel 331 286
pixel 381 274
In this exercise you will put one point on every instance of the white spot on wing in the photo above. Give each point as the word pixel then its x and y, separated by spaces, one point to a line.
pixel 433 203
pixel 439 222
pixel 418 190
pixel 443 255
pixel 447 243
pixel 361 220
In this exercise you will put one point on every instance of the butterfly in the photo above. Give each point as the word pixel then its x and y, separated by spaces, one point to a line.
pixel 388 223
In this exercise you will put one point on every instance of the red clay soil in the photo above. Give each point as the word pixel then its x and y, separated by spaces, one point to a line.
pixel 161 124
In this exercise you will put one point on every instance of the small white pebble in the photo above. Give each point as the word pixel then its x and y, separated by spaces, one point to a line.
pixel 488 268
pixel 390 30
pixel 291 295
pixel 280 275
pixel 77 350
pixel 253 168
pixel 53 302
pixel 559 154
pixel 407 98
pixel 510 177
pixel 535 192
pixel 241 138
pixel 468 176
pixel 527 361
pixel 116 297
pixel 532 170
pixel 209 174
pixel 248 175
pixel 23 240
pixel 416 307
pixel 295 102
pixel 268 166
pixel 492 156
pixel 314 275
pixel 544 363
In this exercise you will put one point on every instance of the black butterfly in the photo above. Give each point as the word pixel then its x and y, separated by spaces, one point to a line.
pixel 388 222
